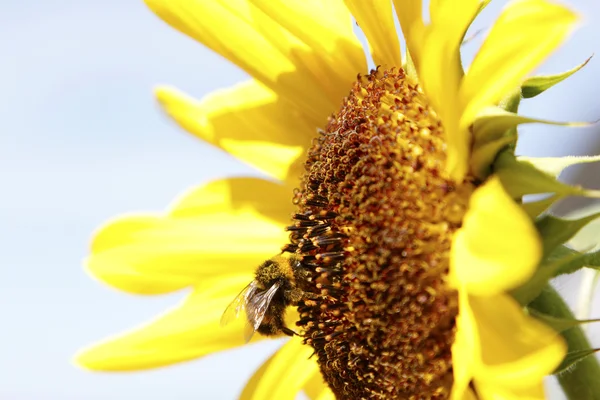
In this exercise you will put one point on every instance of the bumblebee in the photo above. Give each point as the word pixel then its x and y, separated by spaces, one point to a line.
pixel 265 299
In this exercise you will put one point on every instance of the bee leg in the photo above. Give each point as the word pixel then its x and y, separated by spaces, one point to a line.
pixel 294 295
pixel 310 296
pixel 288 331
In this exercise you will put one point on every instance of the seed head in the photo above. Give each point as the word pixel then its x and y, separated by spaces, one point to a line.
pixel 375 220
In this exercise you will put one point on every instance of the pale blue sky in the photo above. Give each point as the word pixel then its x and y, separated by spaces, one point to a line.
pixel 83 140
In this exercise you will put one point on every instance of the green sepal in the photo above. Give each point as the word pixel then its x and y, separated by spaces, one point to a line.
pixel 493 122
pixel 496 128
pixel 586 292
pixel 561 252
pixel 484 154
pixel 589 260
pixel 538 84
pixel 561 261
pixel 572 358
pixel 557 258
pixel 559 324
pixel 581 380
pixel 492 139
pixel 535 208
pixel 520 178
pixel 511 102
pixel 546 270
pixel 555 165
pixel 556 231
pixel 588 237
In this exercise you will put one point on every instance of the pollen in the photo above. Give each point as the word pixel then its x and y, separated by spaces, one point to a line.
pixel 375 220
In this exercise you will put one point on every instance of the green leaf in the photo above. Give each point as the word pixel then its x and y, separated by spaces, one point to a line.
pixel 560 324
pixel 555 231
pixel 572 358
pixel 538 84
pixel 555 165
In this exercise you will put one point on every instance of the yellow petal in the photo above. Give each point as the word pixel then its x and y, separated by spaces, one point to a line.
pixel 244 34
pixel 497 346
pixel 326 394
pixel 153 255
pixel 410 15
pixel 465 349
pixel 270 199
pixel 325 27
pixel 248 121
pixel 524 35
pixel 469 395
pixel 491 392
pixel 376 20
pixel 497 247
pixel 189 331
pixel 254 380
pixel 456 19
pixel 213 231
pixel 440 73
pixel 316 388
pixel 285 373
pixel 517 351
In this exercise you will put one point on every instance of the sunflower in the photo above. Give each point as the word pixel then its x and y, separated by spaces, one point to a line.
pixel 408 211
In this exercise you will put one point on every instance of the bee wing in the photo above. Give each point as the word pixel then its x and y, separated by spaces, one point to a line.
pixel 238 304
pixel 257 307
pixel 248 331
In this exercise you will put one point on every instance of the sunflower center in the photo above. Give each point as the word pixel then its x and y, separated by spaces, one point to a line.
pixel 374 227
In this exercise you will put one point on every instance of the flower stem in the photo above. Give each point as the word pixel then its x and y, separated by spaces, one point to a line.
pixel 582 381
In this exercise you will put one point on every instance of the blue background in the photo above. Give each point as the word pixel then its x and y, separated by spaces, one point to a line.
pixel 82 140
